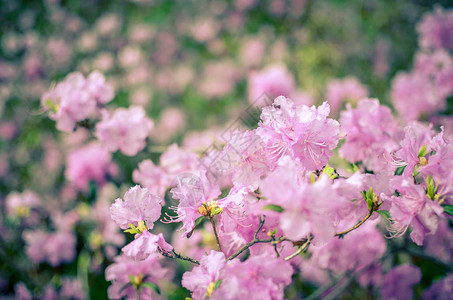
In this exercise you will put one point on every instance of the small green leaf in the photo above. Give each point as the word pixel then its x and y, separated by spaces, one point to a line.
pixel 216 211
pixel 422 151
pixel 217 284
pixel 312 178
pixel 384 213
pixel 199 221
pixel 448 209
pixel 152 286
pixel 273 207
pixel 400 170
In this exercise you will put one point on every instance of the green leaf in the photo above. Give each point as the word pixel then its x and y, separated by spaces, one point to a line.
pixel 217 284
pixel 273 207
pixel 199 221
pixel 448 209
pixel 384 213
pixel 216 211
pixel 422 151
pixel 152 286
pixel 312 178
pixel 400 170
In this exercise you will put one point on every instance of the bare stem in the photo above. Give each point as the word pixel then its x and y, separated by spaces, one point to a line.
pixel 215 233
pixel 301 249
pixel 340 234
pixel 174 254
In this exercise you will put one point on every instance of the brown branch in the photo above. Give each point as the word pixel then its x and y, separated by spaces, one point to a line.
pixel 215 233
pixel 256 240
pixel 340 234
pixel 174 254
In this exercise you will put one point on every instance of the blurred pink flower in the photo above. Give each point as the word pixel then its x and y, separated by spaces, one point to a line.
pixel 90 162
pixel 125 130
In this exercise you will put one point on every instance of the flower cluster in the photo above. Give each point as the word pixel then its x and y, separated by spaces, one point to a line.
pixel 76 99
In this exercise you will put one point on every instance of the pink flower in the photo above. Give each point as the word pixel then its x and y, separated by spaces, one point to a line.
pixel 199 280
pixel 436 30
pixel 242 157
pixel 138 205
pixel 371 134
pixel 398 282
pixel 358 250
pixel 125 129
pixel 124 268
pixel 306 208
pixel 440 165
pixel 416 135
pixel 76 98
pixel 346 90
pixel 176 161
pixel 259 277
pixel 21 204
pixel 192 191
pixel 413 208
pixel 423 92
pixel 146 244
pixel 151 177
pixel 72 289
pixel 305 133
pixel 90 162
pixel 55 248
pixel 275 80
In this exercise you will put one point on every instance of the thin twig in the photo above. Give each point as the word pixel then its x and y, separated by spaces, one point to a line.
pixel 215 233
pixel 256 240
pixel 340 234
pixel 302 248
pixel 174 254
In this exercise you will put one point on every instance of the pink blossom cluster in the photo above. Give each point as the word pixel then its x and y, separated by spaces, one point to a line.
pixel 278 180
pixel 423 92
pixel 76 98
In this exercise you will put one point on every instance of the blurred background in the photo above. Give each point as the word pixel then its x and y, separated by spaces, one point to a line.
pixel 194 66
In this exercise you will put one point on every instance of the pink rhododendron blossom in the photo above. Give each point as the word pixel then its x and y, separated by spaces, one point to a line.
pixel 440 166
pixel 358 250
pixel 242 157
pixel 146 244
pixel 72 289
pixel 55 248
pixel 413 208
pixel 371 134
pixel 76 98
pixel 138 205
pixel 346 90
pixel 125 130
pixel 305 133
pixel 436 30
pixel 423 91
pixel 274 81
pixel 192 191
pixel 259 277
pixel 306 209
pixel 176 161
pixel 200 278
pixel 21 204
pixel 124 268
pixel 416 136
pixel 90 162
pixel 440 289
pixel 398 282
pixel 151 177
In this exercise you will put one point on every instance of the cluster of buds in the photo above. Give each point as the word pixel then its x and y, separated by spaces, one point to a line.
pixel 209 209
